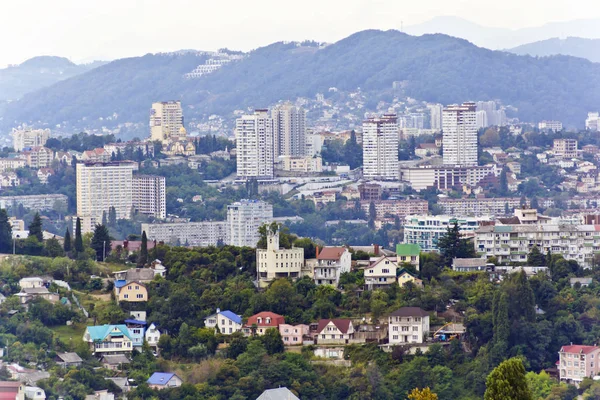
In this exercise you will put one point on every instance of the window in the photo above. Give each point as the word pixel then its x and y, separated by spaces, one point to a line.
pixel 137 287
pixel 415 329
pixel 222 322
pixel 405 329
pixel 322 336
pixel 126 296
pixel 230 330
pixel 385 271
pixel 139 296
pixel 395 329
pixel 415 337
pixel 417 319
pixel 395 337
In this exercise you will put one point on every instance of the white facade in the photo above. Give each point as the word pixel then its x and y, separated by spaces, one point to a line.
pixel 273 262
pixel 301 164
pixel 435 116
pixel 152 335
pixel 11 163
pixel 460 135
pixel 200 234
pixel 592 122
pixel 24 138
pixel 408 325
pixel 149 195
pixel 380 148
pixel 482 119
pixel 166 121
pixel 255 146
pixel 555 126
pixel 425 230
pixel 447 177
pixel 243 220
pixel 289 130
pixel 227 322
pixel 381 273
pixel 332 262
pixel 314 144
pixel 101 186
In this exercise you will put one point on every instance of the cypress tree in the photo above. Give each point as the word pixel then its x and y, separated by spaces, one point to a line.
pixel 35 228
pixel 78 237
pixel 143 257
pixel 507 382
pixel 67 244
pixel 5 232
pixel 501 326
pixel 101 242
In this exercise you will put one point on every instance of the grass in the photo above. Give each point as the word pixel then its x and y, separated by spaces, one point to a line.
pixel 70 334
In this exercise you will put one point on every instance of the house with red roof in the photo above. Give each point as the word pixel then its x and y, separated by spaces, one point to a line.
pixel 576 362
pixel 12 390
pixel 259 323
pixel 331 263
pixel 334 331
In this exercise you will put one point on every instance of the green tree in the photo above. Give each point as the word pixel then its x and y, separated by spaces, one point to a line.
pixel 78 237
pixel 143 257
pixel 535 257
pixel 5 232
pixel 67 243
pixel 501 326
pixel 52 248
pixel 101 242
pixel 272 341
pixel 112 216
pixel 507 382
pixel 422 394
pixel 503 183
pixel 35 228
pixel 452 245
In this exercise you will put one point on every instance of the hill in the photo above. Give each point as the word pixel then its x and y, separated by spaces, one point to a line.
pixel 571 46
pixel 435 67
pixel 502 38
pixel 36 73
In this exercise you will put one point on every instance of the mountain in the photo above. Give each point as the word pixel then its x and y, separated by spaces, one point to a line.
pixel 36 73
pixel 571 46
pixel 501 38
pixel 435 68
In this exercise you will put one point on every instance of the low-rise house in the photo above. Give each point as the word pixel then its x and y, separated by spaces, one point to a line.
pixel 281 393
pixel 28 294
pixel 122 383
pixel 259 323
pixel 408 325
pixel 292 335
pixel 583 282
pixel 114 361
pixel 143 275
pixel 381 273
pixel 131 292
pixel 226 321
pixel 576 362
pixel 152 336
pixel 162 380
pixel 137 330
pixel 2 298
pixel 108 339
pixel 12 390
pixel 34 393
pixel 275 262
pixel 404 277
pixel 469 264
pixel 427 150
pixel 331 263
pixel 68 360
pixel 408 253
pixel 334 331
pixel 100 395
pixel 43 174
pixel 31 283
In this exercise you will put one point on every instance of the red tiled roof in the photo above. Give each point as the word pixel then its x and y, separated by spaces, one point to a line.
pixel 331 253
pixel 577 348
pixel 342 324
pixel 276 319
pixel 7 384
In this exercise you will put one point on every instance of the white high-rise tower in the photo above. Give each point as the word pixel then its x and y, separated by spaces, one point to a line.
pixel 255 146
pixel 380 148
pixel 460 135
pixel 289 128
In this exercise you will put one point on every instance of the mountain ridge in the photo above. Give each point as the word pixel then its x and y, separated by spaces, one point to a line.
pixel 570 46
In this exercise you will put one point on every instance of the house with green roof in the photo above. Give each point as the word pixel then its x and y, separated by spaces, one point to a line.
pixel 408 253
pixel 108 339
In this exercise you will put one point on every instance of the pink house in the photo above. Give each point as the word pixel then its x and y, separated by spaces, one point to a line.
pixel 292 334
pixel 576 362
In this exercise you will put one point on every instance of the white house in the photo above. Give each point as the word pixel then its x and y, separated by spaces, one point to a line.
pixel 408 325
pixel 331 263
pixel 381 273
pixel 34 393
pixel 227 321
pixel 31 283
pixel 334 331
pixel 152 335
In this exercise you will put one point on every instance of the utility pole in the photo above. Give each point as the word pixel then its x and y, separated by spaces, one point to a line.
pixel 103 250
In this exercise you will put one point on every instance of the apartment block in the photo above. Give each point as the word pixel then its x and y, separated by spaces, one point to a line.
pixel 11 164
pixel 166 121
pixel 243 220
pixel 25 138
pixel 301 164
pixel 426 230
pixel 576 362
pixel 555 126
pixel 275 262
pixel 592 123
pixel 200 234
pixel 37 202
pixel 380 148
pixel 448 177
pixel 479 207
pixel 460 135
pixel 38 157
pixel 149 195
pixel 408 325
pixel 435 116
pixel 565 148
pixel 255 146
pixel 289 130
pixel 400 208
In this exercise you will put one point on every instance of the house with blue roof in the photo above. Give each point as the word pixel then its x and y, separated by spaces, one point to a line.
pixel 108 339
pixel 162 380
pixel 227 322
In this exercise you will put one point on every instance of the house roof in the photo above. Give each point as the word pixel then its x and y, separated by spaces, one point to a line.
pixel 232 316
pixel 408 249
pixel 331 253
pixel 469 262
pixel 160 378
pixel 403 271
pixel 120 283
pixel 576 348
pixel 278 394
pixel 99 333
pixel 69 357
pixel 342 324
pixel 120 382
pixel 41 290
pixel 115 359
pixel 135 322
pixel 409 312
pixel 137 274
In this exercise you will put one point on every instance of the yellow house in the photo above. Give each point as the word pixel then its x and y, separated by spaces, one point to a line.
pixel 404 277
pixel 131 291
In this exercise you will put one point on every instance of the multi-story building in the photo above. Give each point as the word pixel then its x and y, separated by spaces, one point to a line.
pixel 381 273
pixel 258 324
pixel 592 122
pixel 380 148
pixel 370 191
pixel 38 157
pixel 481 119
pixel 400 208
pixel 243 220
pixel 11 164
pixel 565 148
pixel 289 130
pixel 166 121
pixel 25 138
pixel 226 321
pixel 108 339
pixel 35 202
pixel 197 234
pixel 9 179
pixel 332 262
pixel 96 155
pixel 130 291
pixel 255 146
pixel 576 362
pixel 425 230
pixel 408 254
pixel 460 135
pixel 448 177
pixel 480 207
pixel 555 126
pixel 275 262
pixel 101 186
pixel 149 195
pixel 334 331
pixel 408 325
pixel 314 143
pixel 301 163
pixel 435 116
pixel 293 335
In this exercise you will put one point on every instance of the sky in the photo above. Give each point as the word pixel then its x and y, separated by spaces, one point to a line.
pixel 84 30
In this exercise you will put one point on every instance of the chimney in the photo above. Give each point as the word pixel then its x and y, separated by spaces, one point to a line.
pixel 317 256
pixel 376 249
pixel 218 310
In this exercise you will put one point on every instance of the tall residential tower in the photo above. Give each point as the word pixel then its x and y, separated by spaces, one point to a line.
pixel 289 129
pixel 166 121
pixel 380 148
pixel 255 146
pixel 460 135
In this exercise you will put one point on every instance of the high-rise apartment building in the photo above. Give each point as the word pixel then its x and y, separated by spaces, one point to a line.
pixel 460 135
pixel 380 148
pixel 592 122
pixel 289 130
pixel 255 146
pixel 435 116
pixel 149 195
pixel 482 119
pixel 101 186
pixel 24 138
pixel 166 121
pixel 243 220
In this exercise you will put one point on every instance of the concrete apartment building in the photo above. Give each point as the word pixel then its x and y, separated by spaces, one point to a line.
pixel 275 262
pixel 479 207
pixel 38 157
pixel 149 195
pixel 576 362
pixel 289 130
pixel 35 202
pixel 254 135
pixel 555 126
pixel 380 148
pixel 460 135
pixel 592 123
pixel 565 148
pixel 332 262
pixel 408 325
pixel 243 220
pixel 101 186
pixel 425 230
pixel 448 177
pixel 11 164
pixel 401 208
pixel 25 138
pixel 166 121
pixel 198 234
pixel 435 116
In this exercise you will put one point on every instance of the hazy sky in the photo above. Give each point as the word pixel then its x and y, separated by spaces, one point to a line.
pixel 108 29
